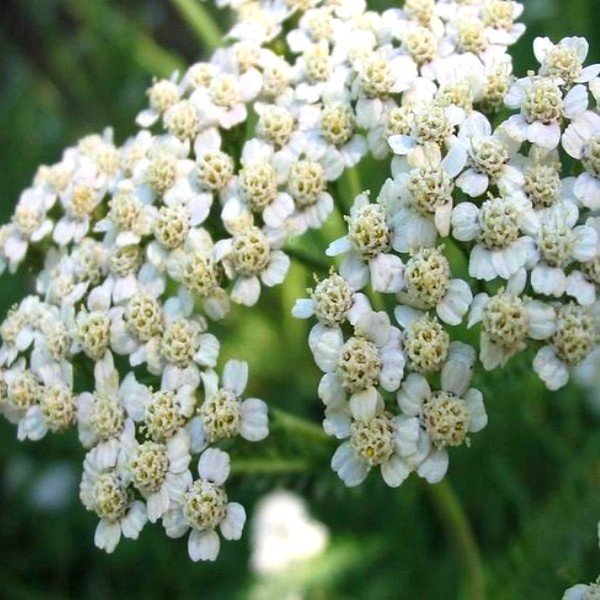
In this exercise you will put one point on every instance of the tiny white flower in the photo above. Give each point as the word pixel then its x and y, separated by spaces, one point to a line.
pixel 447 415
pixel 366 248
pixel 204 506
pixel 223 413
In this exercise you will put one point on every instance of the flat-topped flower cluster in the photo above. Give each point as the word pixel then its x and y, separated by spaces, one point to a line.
pixel 396 383
pixel 138 248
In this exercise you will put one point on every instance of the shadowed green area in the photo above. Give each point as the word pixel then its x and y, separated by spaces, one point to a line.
pixel 529 484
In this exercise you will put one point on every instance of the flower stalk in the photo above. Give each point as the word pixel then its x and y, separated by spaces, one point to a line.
pixel 453 516
pixel 200 22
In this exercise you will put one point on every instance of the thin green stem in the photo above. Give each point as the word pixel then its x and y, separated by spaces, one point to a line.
pixel 299 427
pixel 314 263
pixel 201 22
pixel 351 178
pixel 154 59
pixel 455 521
pixel 347 188
pixel 265 466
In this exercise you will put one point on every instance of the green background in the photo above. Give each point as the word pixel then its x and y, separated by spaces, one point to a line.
pixel 529 485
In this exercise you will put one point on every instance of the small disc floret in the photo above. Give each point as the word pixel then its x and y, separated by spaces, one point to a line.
pixel 149 467
pixel 221 415
pixel 180 341
pixel 215 170
pixel 107 417
pixel 58 407
pixel 575 336
pixel 505 320
pixel 144 316
pixel 446 419
pixel 374 440
pixel 332 299
pixel 359 364
pixel 543 102
pixel 338 123
pixel 161 172
pixel 110 497
pixel 590 157
pixel 542 185
pixel 23 391
pixel 306 182
pixel 427 276
pixel 251 252
pixel 498 220
pixel 368 230
pixel 204 505
pixel 163 418
pixel 430 187
pixel 489 156
pixel 426 344
pixel 258 182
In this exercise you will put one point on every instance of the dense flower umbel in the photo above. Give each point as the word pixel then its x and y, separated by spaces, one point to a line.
pixel 148 243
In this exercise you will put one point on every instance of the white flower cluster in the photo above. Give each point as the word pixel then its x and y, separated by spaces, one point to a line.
pixel 136 249
pixel 498 195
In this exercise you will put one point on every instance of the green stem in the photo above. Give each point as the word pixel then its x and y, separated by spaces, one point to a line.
pixel 264 466
pixel 299 427
pixel 351 179
pixel 308 260
pixel 347 188
pixel 201 22
pixel 154 59
pixel 455 521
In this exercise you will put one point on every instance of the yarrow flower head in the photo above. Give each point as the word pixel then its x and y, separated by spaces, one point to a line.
pixel 245 161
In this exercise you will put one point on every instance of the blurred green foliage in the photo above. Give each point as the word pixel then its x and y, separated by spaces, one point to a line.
pixel 529 484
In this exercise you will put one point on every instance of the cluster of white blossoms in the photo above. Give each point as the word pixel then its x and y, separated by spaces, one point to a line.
pixel 137 249
pixel 464 183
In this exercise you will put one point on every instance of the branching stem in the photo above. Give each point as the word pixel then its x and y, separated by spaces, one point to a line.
pixel 299 427
pixel 455 521
pixel 201 22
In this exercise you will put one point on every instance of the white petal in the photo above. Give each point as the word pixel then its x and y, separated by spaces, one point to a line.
pixel 325 344
pixel 246 291
pixel 349 469
pixel 477 415
pixel 355 271
pixel 107 535
pixel 203 545
pixel 544 135
pixel 472 183
pixel 366 404
pixel 214 465
pixel 235 376
pixel 578 287
pixel 434 467
pixel 413 393
pixel 394 471
pixel 549 281
pixel 541 318
pixel 387 272
pixel 550 369
pixel 464 222
pixel 406 315
pixel 455 303
pixel 277 268
pixel 330 391
pixel 576 101
pixel 303 308
pixel 255 421
pixel 233 523
pixel 458 370
pixel 134 520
